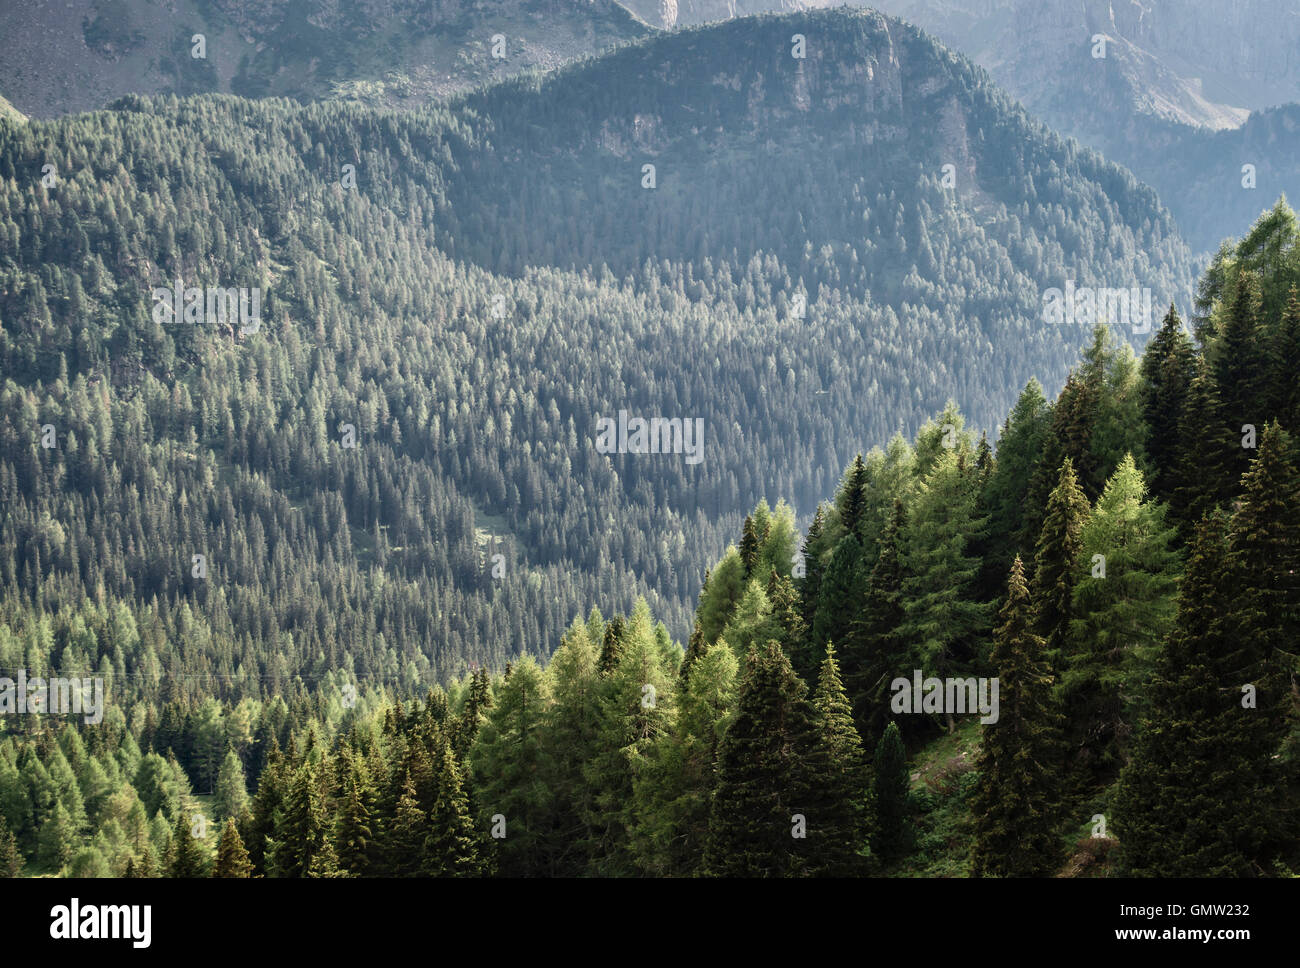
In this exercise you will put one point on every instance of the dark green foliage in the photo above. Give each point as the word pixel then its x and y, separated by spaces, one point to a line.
pixel 1015 805
pixel 1057 551
pixel 232 858
pixel 893 836
pixel 763 781
pixel 185 856
pixel 1168 366
pixel 836 814
pixel 1179 798
pixel 877 652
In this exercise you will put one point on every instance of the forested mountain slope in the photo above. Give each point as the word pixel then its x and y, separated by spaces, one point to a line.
pixel 475 417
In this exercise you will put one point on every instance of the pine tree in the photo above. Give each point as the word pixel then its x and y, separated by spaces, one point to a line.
pixel 1168 366
pixel 232 858
pixel 837 831
pixel 185 857
pixel 354 830
pixel 763 785
pixel 300 829
pixel 879 649
pixel 1052 588
pixel 451 848
pixel 407 837
pixel 509 765
pixel 1241 365
pixel 1204 456
pixel 1177 805
pixel 1015 803
pixel 893 835
pixel 11 858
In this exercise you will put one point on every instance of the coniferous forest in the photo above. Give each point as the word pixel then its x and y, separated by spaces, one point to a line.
pixel 952 591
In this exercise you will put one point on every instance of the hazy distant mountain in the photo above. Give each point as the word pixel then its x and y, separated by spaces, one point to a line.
pixel 81 54
pixel 1174 72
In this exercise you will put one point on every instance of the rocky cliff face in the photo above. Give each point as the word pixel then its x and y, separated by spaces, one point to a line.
pixel 1201 62
pixel 78 55
pixel 1169 100
pixel 686 13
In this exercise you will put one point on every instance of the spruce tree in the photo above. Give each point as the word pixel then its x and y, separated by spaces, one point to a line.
pixel 508 763
pixel 1052 588
pixel 836 816
pixel 892 836
pixel 674 792
pixel 571 727
pixel 749 545
pixel 300 829
pixel 851 500
pixel 354 828
pixel 637 708
pixel 785 624
pixel 1241 365
pixel 185 856
pixel 406 839
pixel 1177 804
pixel 945 624
pixel 1015 805
pixel 11 858
pixel 1168 366
pixel 1285 397
pixel 232 858
pixel 878 647
pixel 451 847
pixel 843 586
pixel 763 783
pixel 231 794
pixel 1205 455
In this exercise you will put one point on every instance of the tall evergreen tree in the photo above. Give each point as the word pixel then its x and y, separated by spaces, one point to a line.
pixel 763 784
pixel 944 624
pixel 879 650
pixel 185 856
pixel 451 847
pixel 232 858
pixel 1168 366
pixel 1205 455
pixel 837 825
pixel 1052 588
pixel 893 836
pixel 1125 590
pixel 1015 805
pixel 1176 808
